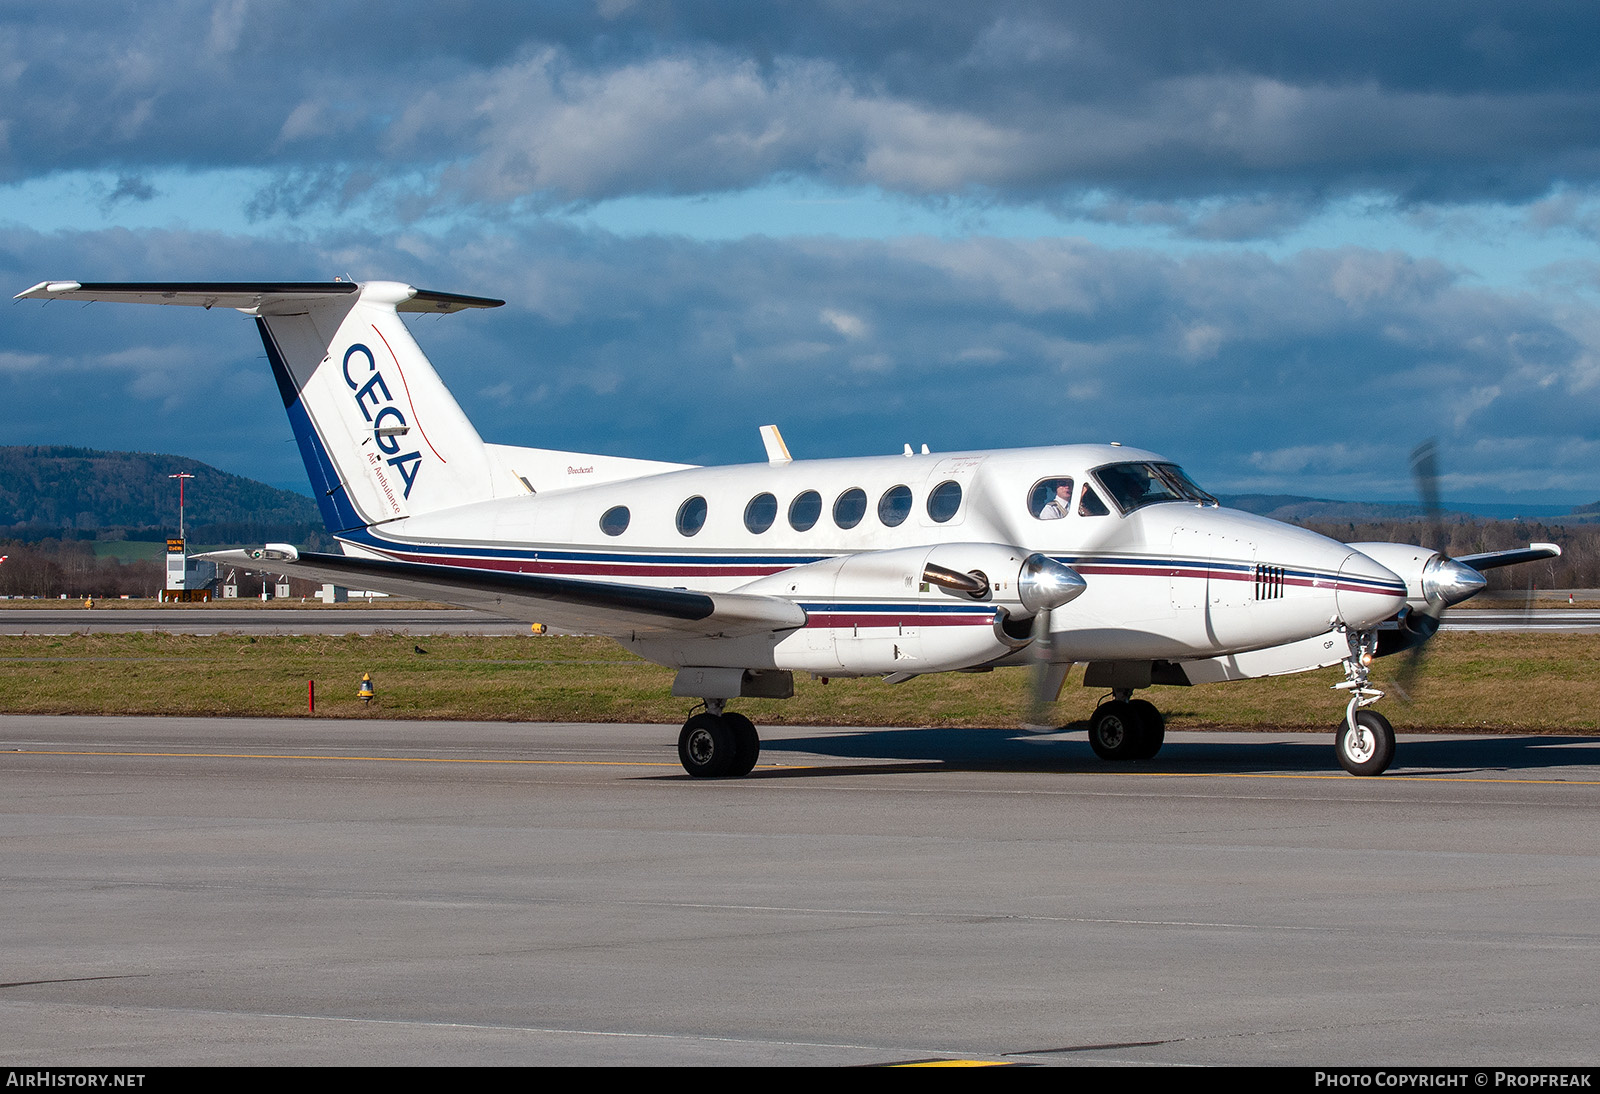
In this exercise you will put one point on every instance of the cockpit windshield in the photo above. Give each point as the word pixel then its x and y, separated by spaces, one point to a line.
pixel 1134 485
pixel 1188 486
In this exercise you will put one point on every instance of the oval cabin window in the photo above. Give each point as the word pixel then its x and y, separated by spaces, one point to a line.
pixel 614 522
pixel 692 515
pixel 895 506
pixel 944 500
pixel 804 511
pixel 850 508
pixel 760 513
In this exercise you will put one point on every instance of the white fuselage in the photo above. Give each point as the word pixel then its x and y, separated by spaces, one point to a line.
pixel 1172 580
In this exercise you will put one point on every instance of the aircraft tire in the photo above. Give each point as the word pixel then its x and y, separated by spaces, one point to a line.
pixel 1116 731
pixel 1368 753
pixel 1152 731
pixel 746 743
pixel 707 747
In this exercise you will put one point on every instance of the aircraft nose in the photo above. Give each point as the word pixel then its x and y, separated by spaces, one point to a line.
pixel 1367 593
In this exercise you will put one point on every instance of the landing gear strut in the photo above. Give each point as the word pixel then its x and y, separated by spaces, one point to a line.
pixel 1364 741
pixel 717 743
pixel 1126 729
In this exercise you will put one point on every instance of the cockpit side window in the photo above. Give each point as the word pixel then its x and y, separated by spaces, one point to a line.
pixel 1050 499
pixel 1090 505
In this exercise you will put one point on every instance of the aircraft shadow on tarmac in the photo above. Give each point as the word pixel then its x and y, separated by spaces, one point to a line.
pixel 934 749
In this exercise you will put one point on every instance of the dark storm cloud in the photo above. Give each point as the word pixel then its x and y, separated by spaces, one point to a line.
pixel 1277 105
pixel 1319 371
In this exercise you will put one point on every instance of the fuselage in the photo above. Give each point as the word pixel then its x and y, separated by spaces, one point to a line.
pixel 1170 574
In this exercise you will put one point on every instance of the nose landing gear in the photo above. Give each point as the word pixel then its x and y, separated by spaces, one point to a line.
pixel 1366 744
pixel 1364 741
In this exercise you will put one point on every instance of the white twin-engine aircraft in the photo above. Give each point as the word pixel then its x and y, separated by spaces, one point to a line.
pixel 892 566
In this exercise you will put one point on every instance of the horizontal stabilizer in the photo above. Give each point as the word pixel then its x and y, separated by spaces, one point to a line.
pixel 568 604
pixel 248 296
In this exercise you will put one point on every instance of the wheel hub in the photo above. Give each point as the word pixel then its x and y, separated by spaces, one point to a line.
pixel 1112 732
pixel 701 746
pixel 1359 745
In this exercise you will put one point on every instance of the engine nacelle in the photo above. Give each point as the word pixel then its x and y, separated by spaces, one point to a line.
pixel 916 609
pixel 1432 580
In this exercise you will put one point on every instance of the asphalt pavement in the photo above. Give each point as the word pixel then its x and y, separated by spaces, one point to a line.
pixel 306 891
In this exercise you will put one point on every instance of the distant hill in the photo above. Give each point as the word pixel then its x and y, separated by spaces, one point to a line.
pixel 1300 510
pixel 1289 507
pixel 54 489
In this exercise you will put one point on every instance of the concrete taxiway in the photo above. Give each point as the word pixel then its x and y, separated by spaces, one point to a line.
pixel 307 891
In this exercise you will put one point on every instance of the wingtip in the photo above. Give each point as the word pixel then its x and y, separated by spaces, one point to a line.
pixel 44 290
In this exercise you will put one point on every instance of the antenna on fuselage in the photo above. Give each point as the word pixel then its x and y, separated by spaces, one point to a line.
pixel 777 451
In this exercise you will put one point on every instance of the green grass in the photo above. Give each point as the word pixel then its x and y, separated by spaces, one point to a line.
pixel 1521 683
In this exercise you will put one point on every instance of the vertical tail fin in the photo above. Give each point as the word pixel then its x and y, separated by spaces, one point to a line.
pixel 381 435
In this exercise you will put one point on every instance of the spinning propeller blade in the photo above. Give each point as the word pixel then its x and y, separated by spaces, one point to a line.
pixel 1044 585
pixel 1445 581
pixel 1040 692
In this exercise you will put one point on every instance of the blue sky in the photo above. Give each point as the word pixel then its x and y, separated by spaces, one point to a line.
pixel 1280 243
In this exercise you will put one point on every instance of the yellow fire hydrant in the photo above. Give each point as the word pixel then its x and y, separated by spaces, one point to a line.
pixel 366 694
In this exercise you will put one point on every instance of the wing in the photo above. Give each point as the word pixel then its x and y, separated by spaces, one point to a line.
pixel 1491 559
pixel 564 603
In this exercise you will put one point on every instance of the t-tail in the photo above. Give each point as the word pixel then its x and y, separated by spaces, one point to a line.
pixel 381 435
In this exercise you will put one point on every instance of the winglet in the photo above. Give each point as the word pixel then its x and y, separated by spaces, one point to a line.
pixel 777 451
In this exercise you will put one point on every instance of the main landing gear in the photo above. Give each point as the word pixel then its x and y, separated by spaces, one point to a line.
pixel 718 743
pixel 1126 729
pixel 1364 741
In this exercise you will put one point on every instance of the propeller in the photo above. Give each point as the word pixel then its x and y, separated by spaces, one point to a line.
pixel 1045 676
pixel 1043 586
pixel 1445 581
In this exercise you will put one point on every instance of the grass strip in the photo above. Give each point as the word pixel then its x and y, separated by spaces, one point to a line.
pixel 1538 683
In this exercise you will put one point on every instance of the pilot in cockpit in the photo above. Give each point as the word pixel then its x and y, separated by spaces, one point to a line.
pixel 1060 505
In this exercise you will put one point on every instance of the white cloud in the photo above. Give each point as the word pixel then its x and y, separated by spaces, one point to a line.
pixel 851 326
pixel 22 362
pixel 1054 341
